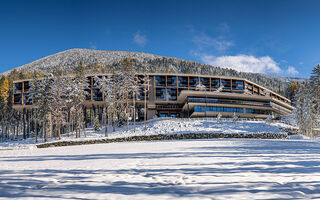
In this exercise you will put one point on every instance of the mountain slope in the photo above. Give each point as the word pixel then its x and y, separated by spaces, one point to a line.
pixel 68 59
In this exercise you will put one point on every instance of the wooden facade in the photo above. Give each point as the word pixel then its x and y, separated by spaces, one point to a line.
pixel 171 95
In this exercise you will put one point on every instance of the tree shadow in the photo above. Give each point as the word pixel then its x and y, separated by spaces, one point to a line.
pixel 276 158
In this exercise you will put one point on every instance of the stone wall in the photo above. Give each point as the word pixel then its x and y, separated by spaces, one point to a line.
pixel 165 137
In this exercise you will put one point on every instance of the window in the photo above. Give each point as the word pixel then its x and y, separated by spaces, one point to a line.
pixel 217 109
pixel 257 111
pixel 171 81
pixel 215 83
pixel 97 95
pixel 163 114
pixel 174 115
pixel 193 81
pixel 237 85
pixel 205 82
pixel 160 81
pixel 17 99
pixel 183 82
pixel 226 84
pixel 18 88
pixel 141 94
pixel 199 109
pixel 171 94
pixel 26 86
pixel 160 94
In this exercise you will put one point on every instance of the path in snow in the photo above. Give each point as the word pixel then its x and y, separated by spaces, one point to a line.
pixel 192 169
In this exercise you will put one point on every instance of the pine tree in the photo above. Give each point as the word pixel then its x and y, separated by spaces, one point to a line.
pixel 96 125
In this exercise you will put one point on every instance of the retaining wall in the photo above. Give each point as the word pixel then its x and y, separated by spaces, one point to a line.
pixel 166 137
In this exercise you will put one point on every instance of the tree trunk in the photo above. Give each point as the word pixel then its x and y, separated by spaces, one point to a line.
pixel 145 106
pixel 134 115
pixel 105 123
pixel 59 129
pixel 36 131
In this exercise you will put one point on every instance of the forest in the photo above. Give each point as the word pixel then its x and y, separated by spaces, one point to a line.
pixel 59 97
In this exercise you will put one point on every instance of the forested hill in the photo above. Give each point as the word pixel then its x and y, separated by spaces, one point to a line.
pixel 101 61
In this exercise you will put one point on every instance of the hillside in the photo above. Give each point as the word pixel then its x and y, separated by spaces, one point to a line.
pixel 93 59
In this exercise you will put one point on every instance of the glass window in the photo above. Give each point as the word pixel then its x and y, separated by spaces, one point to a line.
pixel 193 81
pixel 17 99
pixel 171 81
pixel 173 115
pixel 198 108
pixel 215 83
pixel 141 94
pixel 18 88
pixel 171 94
pixel 205 82
pixel 160 81
pixel 160 94
pixel 226 84
pixel 163 114
pixel 257 111
pixel 183 82
pixel 237 85
pixel 97 95
pixel 26 86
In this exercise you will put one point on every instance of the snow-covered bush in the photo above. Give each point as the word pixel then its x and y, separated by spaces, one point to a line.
pixel 235 118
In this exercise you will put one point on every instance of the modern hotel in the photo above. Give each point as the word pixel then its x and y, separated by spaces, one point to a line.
pixel 187 95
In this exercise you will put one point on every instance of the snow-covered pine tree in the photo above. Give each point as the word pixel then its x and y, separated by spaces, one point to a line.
pixel 96 125
pixel 219 117
pixel 130 88
pixel 106 86
pixel 58 100
pixel 77 89
pixel 235 118
pixel 144 84
pixel 40 96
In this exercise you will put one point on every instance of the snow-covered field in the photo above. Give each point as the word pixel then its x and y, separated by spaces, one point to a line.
pixel 190 169
pixel 167 126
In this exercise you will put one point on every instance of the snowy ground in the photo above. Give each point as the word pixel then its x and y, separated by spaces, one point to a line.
pixel 190 169
pixel 166 126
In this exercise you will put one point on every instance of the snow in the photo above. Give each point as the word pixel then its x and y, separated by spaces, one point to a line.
pixel 189 169
pixel 166 126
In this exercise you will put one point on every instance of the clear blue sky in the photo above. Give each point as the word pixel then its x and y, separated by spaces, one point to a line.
pixel 275 37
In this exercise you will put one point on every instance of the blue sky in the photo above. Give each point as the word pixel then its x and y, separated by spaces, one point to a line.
pixel 274 37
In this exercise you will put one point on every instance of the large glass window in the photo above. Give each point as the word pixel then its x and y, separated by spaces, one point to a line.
pixel 199 109
pixel 205 82
pixel 237 85
pixel 183 82
pixel 258 111
pixel 18 88
pixel 217 109
pixel 226 83
pixel 171 94
pixel 171 81
pixel 97 95
pixel 193 81
pixel 160 94
pixel 215 83
pixel 163 114
pixel 160 81
pixel 141 94
pixel 17 99
pixel 26 86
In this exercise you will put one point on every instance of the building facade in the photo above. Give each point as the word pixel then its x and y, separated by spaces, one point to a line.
pixel 187 95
